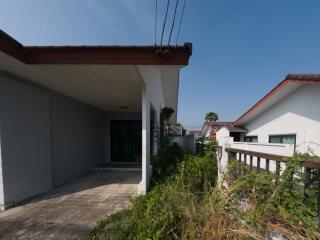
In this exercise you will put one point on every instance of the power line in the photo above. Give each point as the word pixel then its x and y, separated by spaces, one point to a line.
pixel 164 23
pixel 155 24
pixel 173 21
pixel 184 4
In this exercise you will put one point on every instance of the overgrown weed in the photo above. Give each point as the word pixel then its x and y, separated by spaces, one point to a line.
pixel 188 205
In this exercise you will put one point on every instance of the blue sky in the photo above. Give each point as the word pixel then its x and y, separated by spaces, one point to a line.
pixel 241 49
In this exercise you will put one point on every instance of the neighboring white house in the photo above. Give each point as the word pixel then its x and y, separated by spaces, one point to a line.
pixel 285 121
pixel 188 140
pixel 66 109
pixel 209 130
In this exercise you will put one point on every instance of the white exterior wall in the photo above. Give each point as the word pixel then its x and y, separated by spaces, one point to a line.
pixel 152 78
pixel 159 90
pixel 271 148
pixel 152 97
pixel 298 113
pixel 208 133
pixel 225 141
pixel 153 84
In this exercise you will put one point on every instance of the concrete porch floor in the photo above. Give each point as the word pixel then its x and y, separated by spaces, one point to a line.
pixel 70 211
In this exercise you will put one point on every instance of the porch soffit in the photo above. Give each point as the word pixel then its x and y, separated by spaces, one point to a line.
pixel 106 87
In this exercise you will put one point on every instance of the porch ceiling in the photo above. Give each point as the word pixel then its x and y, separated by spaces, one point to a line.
pixel 106 87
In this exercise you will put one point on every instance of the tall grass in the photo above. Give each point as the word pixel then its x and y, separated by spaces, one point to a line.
pixel 189 205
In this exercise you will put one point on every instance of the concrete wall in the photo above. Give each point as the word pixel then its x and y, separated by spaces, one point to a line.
pixel 46 139
pixel 185 142
pixel 298 113
pixel 1 177
pixel 25 140
pixel 271 148
pixel 77 138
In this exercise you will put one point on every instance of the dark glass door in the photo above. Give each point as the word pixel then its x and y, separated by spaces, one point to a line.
pixel 126 141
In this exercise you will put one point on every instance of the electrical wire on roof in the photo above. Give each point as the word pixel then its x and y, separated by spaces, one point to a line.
pixel 155 24
pixel 164 23
pixel 173 21
pixel 179 29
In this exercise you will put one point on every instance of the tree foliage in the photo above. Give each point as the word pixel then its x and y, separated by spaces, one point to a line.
pixel 211 117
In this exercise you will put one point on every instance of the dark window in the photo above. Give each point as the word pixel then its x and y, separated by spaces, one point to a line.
pixel 236 136
pixel 126 141
pixel 251 139
pixel 288 139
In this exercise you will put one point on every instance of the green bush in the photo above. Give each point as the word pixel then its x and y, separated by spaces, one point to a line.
pixel 166 161
pixel 188 205
pixel 197 174
pixel 162 212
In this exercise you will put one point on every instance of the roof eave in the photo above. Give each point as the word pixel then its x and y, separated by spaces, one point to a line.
pixel 290 78
pixel 118 55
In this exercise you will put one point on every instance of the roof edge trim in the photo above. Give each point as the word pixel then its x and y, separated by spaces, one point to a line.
pixel 309 79
pixel 122 55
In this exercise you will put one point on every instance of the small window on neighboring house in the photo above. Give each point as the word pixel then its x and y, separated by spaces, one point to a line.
pixel 288 139
pixel 253 139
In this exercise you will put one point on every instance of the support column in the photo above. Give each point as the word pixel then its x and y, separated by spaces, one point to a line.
pixel 144 184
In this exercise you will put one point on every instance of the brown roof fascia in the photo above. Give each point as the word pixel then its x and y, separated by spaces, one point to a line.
pixel 144 55
pixel 11 47
pixel 122 55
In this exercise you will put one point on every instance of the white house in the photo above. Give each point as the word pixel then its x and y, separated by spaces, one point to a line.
pixel 209 130
pixel 66 109
pixel 285 121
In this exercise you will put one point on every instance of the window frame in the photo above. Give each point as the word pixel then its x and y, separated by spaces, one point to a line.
pixel 253 136
pixel 282 136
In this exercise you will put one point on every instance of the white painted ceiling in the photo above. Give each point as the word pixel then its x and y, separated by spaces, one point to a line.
pixel 107 87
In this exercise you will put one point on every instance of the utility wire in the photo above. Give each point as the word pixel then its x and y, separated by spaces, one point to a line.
pixel 164 23
pixel 184 4
pixel 173 21
pixel 155 24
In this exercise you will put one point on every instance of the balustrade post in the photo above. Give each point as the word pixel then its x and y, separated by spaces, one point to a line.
pixel 239 165
pixel 267 164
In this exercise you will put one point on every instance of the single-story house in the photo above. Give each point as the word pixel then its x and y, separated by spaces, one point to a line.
pixel 66 109
pixel 288 115
pixel 194 132
pixel 209 130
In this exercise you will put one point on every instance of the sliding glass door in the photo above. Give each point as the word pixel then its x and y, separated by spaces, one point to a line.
pixel 126 141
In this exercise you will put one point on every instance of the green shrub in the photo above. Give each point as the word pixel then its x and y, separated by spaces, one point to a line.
pixel 188 205
pixel 162 212
pixel 165 163
pixel 197 174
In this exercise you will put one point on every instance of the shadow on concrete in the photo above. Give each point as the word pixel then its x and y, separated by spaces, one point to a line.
pixel 70 211
pixel 89 181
